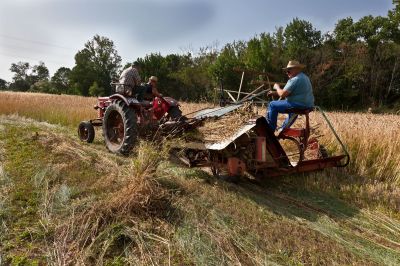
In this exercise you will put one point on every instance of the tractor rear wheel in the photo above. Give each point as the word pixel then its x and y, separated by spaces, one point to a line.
pixel 86 131
pixel 119 128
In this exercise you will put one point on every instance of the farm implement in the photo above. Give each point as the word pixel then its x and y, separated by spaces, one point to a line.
pixel 255 150
pixel 251 149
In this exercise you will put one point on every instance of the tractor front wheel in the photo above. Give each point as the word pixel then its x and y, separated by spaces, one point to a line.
pixel 86 131
pixel 119 128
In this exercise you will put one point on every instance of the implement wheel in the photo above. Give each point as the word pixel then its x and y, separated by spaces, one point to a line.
pixel 120 128
pixel 219 171
pixel 86 131
pixel 222 174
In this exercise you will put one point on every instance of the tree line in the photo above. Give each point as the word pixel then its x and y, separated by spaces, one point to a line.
pixel 354 66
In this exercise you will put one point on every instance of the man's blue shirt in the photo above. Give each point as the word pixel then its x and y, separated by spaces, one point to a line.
pixel 300 89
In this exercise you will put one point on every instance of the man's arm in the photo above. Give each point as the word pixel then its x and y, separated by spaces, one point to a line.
pixel 155 92
pixel 282 93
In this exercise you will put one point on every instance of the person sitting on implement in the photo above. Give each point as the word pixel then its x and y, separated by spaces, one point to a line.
pixel 130 80
pixel 149 90
pixel 298 93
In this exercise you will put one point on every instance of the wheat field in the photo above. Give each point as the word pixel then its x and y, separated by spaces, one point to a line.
pixel 372 139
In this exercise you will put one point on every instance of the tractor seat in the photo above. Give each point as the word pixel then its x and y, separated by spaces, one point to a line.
pixel 298 111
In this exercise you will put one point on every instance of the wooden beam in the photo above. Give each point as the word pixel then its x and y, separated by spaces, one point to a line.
pixel 230 95
pixel 240 87
pixel 231 91
pixel 237 92
pixel 253 92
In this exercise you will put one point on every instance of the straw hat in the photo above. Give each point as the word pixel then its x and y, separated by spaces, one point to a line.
pixel 153 78
pixel 294 64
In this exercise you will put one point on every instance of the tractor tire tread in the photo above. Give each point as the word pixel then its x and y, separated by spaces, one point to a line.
pixel 130 127
pixel 90 131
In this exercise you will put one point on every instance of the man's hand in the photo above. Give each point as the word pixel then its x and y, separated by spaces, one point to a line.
pixel 276 86
pixel 272 94
pixel 281 93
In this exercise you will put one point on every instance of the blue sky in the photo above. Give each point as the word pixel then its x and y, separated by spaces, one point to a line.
pixel 54 30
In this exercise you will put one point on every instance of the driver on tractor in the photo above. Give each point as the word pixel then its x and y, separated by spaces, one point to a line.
pixel 149 90
pixel 298 93
pixel 130 80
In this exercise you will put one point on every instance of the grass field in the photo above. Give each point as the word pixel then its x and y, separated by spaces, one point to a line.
pixel 63 202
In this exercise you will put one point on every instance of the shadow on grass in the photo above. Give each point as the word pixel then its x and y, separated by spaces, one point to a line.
pixel 287 200
pixel 283 198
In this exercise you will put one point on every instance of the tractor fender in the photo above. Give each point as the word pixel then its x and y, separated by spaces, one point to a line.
pixel 172 101
pixel 129 101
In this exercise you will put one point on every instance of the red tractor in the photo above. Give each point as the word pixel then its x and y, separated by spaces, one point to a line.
pixel 124 119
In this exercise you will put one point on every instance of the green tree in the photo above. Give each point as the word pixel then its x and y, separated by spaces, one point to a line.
pixel 97 62
pixel 394 24
pixel 345 31
pixel 61 80
pixel 372 30
pixel 300 38
pixel 95 90
pixel 230 58
pixel 3 84
pixel 39 73
pixel 43 86
pixel 25 76
pixel 20 79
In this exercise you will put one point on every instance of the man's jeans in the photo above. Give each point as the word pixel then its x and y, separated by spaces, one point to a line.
pixel 281 106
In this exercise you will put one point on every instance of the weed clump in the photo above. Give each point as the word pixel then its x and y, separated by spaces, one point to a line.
pixel 113 219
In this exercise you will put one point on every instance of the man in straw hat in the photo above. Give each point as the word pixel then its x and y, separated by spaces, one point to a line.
pixel 297 91
pixel 149 90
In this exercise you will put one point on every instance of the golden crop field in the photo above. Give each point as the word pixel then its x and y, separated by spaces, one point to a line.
pixel 67 110
pixel 372 139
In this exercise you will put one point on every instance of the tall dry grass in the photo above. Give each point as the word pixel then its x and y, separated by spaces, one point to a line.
pixel 66 110
pixel 373 141
pixel 373 176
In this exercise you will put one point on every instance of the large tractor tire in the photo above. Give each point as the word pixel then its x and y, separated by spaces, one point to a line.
pixel 119 128
pixel 86 131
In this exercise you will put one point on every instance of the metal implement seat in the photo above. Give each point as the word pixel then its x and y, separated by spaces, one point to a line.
pixel 297 132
